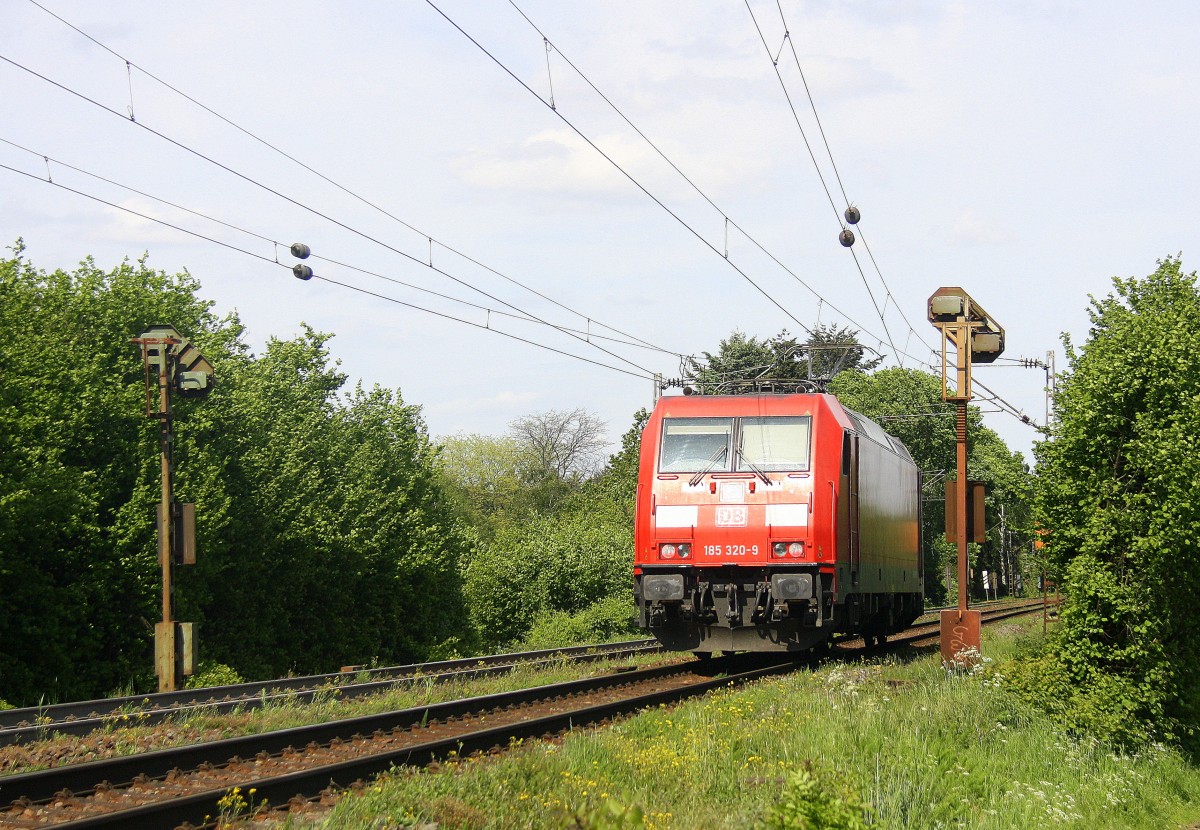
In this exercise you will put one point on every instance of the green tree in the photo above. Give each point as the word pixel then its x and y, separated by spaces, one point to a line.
pixel 484 478
pixel 327 540
pixel 543 459
pixel 739 357
pixel 908 404
pixel 744 363
pixel 563 563
pixel 74 445
pixel 617 483
pixel 828 350
pixel 323 534
pixel 570 571
pixel 1117 496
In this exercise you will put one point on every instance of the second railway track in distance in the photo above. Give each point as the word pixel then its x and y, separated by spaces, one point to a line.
pixel 80 718
pixel 168 787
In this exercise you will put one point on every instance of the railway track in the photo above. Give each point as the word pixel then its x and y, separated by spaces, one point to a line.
pixel 81 718
pixel 186 784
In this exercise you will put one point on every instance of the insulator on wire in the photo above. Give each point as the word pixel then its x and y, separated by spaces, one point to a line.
pixel 302 272
pixel 853 214
pixel 300 250
pixel 846 237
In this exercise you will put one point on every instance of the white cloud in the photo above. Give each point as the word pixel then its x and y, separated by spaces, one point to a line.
pixel 973 229
pixel 125 226
pixel 508 400
pixel 550 161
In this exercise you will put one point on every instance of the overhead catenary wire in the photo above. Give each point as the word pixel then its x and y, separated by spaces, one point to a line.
pixel 1011 409
pixel 363 200
pixel 309 208
pixel 331 260
pixel 589 319
pixel 521 315
pixel 837 175
pixel 699 191
pixel 619 168
pixel 229 246
pixel 821 176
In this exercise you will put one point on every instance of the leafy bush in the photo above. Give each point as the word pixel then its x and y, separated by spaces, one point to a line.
pixel 1116 493
pixel 811 802
pixel 212 673
pixel 563 564
pixel 605 619
pixel 322 530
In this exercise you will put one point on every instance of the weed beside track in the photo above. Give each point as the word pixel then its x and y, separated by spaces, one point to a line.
pixel 918 747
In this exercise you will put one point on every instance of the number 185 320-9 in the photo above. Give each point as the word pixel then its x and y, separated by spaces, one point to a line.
pixel 731 550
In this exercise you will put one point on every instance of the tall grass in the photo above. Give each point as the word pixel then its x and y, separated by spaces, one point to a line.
pixel 918 747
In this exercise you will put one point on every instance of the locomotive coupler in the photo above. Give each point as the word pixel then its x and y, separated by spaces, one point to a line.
pixel 705 605
pixel 763 603
pixel 733 610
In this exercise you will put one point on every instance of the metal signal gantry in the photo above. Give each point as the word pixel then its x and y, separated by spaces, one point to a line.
pixel 977 338
pixel 172 365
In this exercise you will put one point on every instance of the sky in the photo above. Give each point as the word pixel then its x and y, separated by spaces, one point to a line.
pixel 1028 152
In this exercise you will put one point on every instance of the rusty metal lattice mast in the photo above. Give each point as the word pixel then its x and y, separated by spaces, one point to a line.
pixel 977 338
pixel 171 363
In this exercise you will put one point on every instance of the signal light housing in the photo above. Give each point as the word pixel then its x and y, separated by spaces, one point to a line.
pixel 675 550
pixel 793 549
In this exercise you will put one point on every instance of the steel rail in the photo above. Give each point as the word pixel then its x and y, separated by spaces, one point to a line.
pixel 988 616
pixel 82 717
pixel 931 617
pixel 279 789
pixel 83 777
pixel 42 785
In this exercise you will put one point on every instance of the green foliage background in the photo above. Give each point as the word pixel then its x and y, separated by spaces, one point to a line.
pixel 1117 495
pixel 322 532
pixel 908 404
pixel 560 577
pixel 331 528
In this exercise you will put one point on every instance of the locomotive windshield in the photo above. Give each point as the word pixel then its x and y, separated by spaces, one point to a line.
pixel 780 443
pixel 693 445
pixel 690 445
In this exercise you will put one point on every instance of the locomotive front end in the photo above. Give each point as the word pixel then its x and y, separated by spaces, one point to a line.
pixel 728 554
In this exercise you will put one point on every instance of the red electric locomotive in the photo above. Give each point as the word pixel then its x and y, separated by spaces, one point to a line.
pixel 771 522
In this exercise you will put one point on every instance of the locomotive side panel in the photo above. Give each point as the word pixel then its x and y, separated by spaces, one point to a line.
pixel 888 499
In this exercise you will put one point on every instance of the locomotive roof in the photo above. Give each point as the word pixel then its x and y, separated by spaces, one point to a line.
pixel 732 406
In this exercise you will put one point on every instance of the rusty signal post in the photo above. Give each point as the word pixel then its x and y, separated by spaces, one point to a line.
pixel 976 338
pixel 172 365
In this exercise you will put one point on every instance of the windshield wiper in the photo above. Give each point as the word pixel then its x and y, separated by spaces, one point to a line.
pixel 740 453
pixel 709 464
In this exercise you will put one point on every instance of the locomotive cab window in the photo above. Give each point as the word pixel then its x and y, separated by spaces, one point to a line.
pixel 779 443
pixel 691 445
